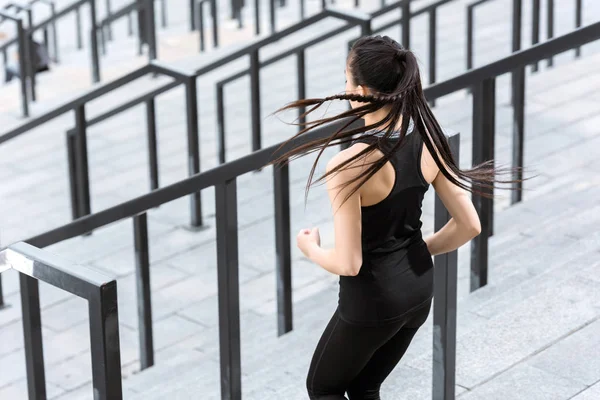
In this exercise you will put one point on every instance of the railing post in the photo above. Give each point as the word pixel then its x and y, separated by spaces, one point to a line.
pixel 272 16
pixel 578 22
pixel 444 305
pixel 302 9
pixel 301 69
pixel 215 22
pixel 54 32
pixel 517 17
pixel 163 13
pixel 535 28
pixel 32 335
pixel 152 143
pixel 142 279
pixel 151 30
pixel 518 141
pixel 255 99
pixel 29 54
pixel 192 5
pixel 323 4
pixel 129 24
pixel 550 27
pixel 94 44
pixel 257 16
pixel 2 304
pixel 109 24
pixel 193 147
pixel 484 109
pixel 228 284
pixel 221 142
pixel 432 48
pixel 142 24
pixel 81 155
pixel 281 180
pixel 470 36
pixel 22 67
pixel 78 28
pixel 105 346
pixel 72 167
pixel 200 13
pixel 405 24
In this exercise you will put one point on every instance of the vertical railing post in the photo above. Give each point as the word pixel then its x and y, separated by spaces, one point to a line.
pixel 221 142
pixel 518 141
pixel 301 70
pixel 22 37
pixel 72 167
pixel 255 99
pixel 323 4
pixel 81 155
pixel 142 279
pixel 109 24
pixel 228 290
pixel 535 28
pixel 94 44
pixel 405 24
pixel 215 22
pixel 152 143
pixel 142 24
pixel 30 55
pixel 32 335
pixel 54 32
pixel 192 5
pixel 2 304
pixel 302 9
pixel 484 110
pixel 105 346
pixel 281 180
pixel 129 24
pixel 200 13
pixel 550 26
pixel 193 147
pixel 272 16
pixel 578 22
pixel 517 18
pixel 432 48
pixel 444 304
pixel 470 11
pixel 163 13
pixel 78 28
pixel 257 16
pixel 151 29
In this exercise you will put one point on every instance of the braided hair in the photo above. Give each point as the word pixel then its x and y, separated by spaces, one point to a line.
pixel 391 74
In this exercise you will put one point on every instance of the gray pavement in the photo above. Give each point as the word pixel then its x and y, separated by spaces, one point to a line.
pixel 536 322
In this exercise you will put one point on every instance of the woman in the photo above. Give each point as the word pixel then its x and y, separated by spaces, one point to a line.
pixel 376 187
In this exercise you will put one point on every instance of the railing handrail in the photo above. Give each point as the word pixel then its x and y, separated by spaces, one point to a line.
pixel 48 21
pixel 121 12
pixel 261 157
pixel 51 269
pixel 521 58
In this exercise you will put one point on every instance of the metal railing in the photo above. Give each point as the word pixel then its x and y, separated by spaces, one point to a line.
pixel 100 292
pixel 110 17
pixel 517 13
pixel 223 179
pixel 51 21
pixel 146 28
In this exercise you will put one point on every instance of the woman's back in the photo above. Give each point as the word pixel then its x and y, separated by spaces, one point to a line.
pixel 396 275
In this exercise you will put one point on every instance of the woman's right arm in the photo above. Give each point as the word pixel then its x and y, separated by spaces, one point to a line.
pixel 464 224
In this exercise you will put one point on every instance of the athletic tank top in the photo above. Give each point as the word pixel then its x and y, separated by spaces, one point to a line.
pixel 396 276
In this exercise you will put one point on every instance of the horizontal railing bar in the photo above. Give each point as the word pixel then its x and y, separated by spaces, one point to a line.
pixel 161 68
pixel 122 12
pixel 477 3
pixel 521 58
pixel 77 102
pixel 48 21
pixel 288 53
pixel 428 8
pixel 129 104
pixel 387 8
pixel 79 280
pixel 193 184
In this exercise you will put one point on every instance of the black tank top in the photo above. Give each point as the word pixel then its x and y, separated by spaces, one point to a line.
pixel 396 276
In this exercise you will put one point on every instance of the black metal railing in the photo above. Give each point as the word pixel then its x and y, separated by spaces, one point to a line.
pixel 100 292
pixel 51 21
pixel 146 27
pixel 77 143
pixel 223 179
pixel 132 9
pixel 516 23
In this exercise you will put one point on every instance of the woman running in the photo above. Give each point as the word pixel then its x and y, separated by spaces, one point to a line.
pixel 376 187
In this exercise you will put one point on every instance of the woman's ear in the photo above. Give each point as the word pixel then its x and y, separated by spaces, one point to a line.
pixel 361 90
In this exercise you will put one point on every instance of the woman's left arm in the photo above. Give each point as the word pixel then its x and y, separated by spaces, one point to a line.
pixel 345 258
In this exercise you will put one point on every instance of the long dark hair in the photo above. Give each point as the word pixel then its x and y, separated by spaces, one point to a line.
pixel 391 73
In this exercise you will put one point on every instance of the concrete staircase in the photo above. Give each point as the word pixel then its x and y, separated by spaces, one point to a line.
pixel 542 303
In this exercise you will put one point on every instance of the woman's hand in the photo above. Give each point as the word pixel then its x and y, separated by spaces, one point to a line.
pixel 307 239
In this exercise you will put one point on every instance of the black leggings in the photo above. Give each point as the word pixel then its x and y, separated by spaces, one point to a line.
pixel 356 359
